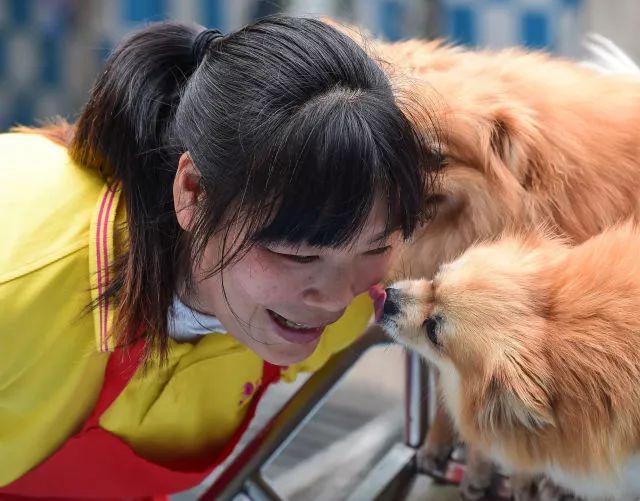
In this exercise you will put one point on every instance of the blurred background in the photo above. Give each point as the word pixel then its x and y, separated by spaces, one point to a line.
pixel 51 50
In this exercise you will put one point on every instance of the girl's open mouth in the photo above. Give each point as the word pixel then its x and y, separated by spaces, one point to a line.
pixel 294 332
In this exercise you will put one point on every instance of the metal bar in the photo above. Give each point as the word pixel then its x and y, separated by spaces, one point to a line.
pixel 288 421
pixel 389 478
pixel 259 489
pixel 392 475
pixel 416 400
pixel 432 395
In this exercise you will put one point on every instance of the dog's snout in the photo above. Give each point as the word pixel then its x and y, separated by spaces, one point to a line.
pixel 392 302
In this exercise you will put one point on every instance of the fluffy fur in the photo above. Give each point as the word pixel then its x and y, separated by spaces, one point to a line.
pixel 538 347
pixel 526 140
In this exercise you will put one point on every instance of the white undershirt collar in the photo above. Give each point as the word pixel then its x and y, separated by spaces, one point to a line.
pixel 187 324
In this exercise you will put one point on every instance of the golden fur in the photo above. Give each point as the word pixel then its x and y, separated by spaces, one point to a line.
pixel 527 140
pixel 538 346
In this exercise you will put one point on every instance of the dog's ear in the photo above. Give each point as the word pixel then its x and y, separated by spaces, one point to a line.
pixel 514 399
pixel 502 139
pixel 512 139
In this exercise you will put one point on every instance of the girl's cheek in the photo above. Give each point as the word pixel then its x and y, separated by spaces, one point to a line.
pixel 373 271
pixel 255 273
pixel 268 278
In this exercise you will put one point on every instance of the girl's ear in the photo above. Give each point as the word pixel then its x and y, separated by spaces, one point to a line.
pixel 186 191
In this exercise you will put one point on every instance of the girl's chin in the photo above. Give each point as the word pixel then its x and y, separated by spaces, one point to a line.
pixel 286 354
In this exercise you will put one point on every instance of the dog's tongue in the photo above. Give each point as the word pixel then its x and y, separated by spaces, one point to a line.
pixel 378 295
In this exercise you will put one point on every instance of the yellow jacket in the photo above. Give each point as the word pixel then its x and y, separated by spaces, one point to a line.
pixel 55 231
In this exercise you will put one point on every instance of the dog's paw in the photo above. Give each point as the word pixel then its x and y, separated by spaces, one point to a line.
pixel 433 458
pixel 478 475
pixel 525 487
pixel 539 488
pixel 472 492
pixel 548 491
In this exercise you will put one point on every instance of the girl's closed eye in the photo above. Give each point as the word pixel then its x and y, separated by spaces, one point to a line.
pixel 296 258
pixel 300 259
pixel 309 258
pixel 379 251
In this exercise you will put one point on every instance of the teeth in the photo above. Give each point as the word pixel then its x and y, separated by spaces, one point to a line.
pixel 294 325
pixel 290 324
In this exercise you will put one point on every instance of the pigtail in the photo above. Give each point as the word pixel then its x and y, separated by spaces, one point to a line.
pixel 124 132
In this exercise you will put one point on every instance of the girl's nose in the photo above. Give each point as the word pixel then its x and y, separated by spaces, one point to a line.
pixel 332 295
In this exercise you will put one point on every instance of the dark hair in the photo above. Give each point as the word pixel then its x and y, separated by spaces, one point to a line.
pixel 295 130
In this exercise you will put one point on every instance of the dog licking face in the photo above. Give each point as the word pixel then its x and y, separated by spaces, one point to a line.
pixel 463 322
pixel 538 348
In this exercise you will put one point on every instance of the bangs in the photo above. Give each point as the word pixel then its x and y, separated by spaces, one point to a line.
pixel 343 152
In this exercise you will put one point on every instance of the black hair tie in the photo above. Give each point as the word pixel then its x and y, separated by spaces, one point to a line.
pixel 202 42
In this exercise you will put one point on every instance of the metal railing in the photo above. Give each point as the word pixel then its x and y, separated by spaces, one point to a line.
pixel 245 473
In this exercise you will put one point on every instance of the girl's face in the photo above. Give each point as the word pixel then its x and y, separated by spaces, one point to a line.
pixel 280 298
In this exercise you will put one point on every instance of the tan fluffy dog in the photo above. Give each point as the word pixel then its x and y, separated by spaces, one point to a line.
pixel 526 140
pixel 538 347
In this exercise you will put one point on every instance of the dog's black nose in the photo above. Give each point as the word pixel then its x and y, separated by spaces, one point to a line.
pixel 391 303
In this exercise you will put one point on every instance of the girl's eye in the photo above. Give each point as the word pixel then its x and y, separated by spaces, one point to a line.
pixel 377 252
pixel 299 259
pixel 293 257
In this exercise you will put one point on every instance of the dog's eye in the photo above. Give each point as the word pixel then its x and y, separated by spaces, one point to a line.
pixel 440 160
pixel 435 200
pixel 431 327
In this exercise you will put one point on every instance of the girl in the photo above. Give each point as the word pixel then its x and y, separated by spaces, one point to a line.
pixel 206 228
